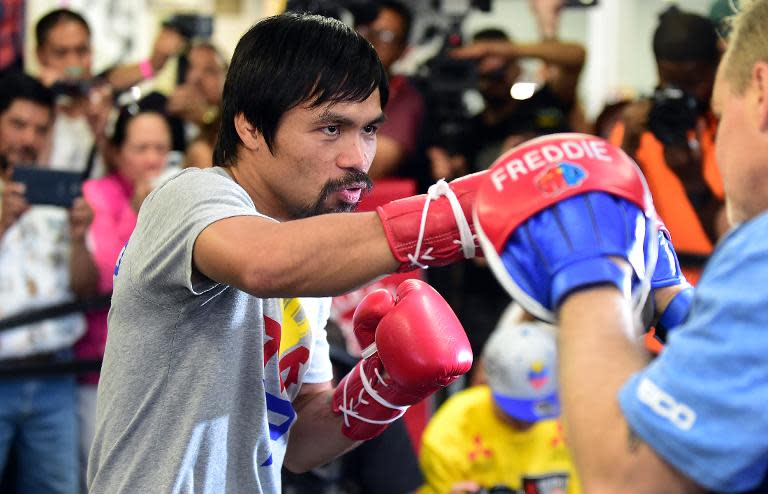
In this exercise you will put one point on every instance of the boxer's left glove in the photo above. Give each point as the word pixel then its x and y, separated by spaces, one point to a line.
pixel 554 214
pixel 413 345
pixel 433 229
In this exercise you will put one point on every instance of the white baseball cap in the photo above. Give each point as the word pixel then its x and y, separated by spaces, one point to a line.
pixel 520 361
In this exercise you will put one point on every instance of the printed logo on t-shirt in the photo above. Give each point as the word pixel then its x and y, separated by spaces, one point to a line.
pixel 287 351
pixel 664 405
pixel 479 450
pixel 120 259
pixel 550 483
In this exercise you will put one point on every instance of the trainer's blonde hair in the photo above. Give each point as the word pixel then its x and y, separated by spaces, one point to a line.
pixel 747 44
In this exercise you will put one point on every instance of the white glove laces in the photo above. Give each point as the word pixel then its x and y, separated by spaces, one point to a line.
pixel 348 408
pixel 466 239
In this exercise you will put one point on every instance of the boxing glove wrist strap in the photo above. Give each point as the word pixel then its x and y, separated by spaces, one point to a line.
pixel 675 313
pixel 589 272
pixel 350 404
pixel 466 238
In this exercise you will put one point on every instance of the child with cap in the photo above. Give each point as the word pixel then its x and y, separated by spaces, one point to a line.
pixel 503 436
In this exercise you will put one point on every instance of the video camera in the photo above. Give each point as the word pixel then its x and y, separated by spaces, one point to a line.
pixel 445 79
pixel 191 26
pixel 673 113
pixel 73 86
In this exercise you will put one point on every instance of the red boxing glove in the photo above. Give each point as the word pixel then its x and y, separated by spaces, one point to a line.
pixel 413 345
pixel 433 229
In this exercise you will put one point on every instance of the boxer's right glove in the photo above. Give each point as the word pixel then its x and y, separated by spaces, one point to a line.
pixel 413 345
pixel 433 229
pixel 553 213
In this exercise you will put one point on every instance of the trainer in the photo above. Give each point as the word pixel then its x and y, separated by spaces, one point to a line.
pixel 693 419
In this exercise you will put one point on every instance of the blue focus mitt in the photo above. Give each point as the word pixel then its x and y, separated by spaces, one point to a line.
pixel 554 214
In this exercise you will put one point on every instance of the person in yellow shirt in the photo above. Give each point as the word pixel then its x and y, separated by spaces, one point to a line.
pixel 503 436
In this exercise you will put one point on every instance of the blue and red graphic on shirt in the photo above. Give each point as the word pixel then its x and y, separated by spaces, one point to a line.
pixel 557 179
pixel 289 344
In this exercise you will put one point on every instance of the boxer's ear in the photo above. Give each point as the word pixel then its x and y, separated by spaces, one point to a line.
pixel 250 136
pixel 760 82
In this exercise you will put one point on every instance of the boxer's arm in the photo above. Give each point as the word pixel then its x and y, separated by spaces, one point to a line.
pixel 319 256
pixel 316 437
pixel 334 253
pixel 596 357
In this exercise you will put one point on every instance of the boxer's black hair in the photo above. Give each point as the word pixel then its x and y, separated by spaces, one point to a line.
pixel 292 59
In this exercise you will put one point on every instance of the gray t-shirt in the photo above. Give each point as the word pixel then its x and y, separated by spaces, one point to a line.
pixel 198 377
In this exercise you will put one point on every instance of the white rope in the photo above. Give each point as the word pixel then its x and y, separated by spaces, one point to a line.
pixel 369 350
pixel 466 239
pixel 349 410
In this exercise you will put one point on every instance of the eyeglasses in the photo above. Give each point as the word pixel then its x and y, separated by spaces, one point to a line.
pixel 380 36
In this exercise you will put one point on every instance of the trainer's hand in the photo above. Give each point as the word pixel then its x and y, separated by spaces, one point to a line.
pixel 564 212
pixel 413 345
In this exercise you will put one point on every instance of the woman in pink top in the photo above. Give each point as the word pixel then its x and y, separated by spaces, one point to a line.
pixel 140 145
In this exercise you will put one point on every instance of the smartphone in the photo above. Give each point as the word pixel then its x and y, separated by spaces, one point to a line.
pixel 49 187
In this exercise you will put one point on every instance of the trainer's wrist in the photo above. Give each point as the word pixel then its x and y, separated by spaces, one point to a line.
pixel 590 273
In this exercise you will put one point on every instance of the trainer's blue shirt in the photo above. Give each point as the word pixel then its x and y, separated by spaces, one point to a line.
pixel 702 405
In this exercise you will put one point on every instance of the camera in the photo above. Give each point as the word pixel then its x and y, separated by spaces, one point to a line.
pixel 445 80
pixel 191 26
pixel 72 87
pixel 72 83
pixel 673 113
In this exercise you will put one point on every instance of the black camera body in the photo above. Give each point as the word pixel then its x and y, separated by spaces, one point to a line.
pixel 191 26
pixel 673 113
pixel 72 88
pixel 445 80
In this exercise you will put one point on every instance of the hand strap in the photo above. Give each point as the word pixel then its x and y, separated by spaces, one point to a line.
pixel 590 272
pixel 675 313
pixel 466 237
pixel 351 403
